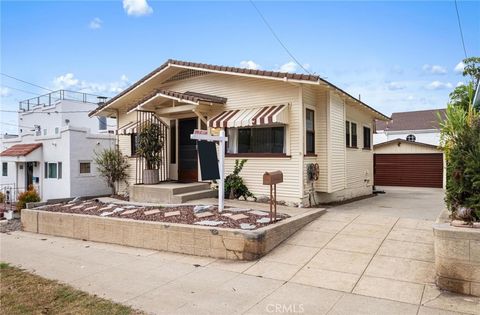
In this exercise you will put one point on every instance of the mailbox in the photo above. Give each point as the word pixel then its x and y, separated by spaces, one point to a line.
pixel 272 178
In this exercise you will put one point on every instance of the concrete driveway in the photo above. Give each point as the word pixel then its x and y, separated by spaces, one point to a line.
pixel 355 259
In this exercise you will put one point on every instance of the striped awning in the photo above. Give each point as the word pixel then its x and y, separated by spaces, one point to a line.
pixel 128 129
pixel 257 116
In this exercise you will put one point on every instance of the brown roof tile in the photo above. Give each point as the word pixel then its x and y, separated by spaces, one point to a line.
pixel 416 120
pixel 21 149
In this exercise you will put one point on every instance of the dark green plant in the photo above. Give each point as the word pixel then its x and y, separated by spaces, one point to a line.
pixel 31 195
pixel 234 185
pixel 150 143
pixel 112 165
pixel 460 141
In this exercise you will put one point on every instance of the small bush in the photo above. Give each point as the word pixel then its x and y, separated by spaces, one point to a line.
pixel 234 185
pixel 31 195
pixel 2 197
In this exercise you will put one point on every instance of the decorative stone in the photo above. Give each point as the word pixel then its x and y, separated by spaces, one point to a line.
pixel 227 214
pixel 130 207
pixel 77 207
pixel 199 209
pixel 247 226
pixel 239 216
pixel 68 205
pixel 204 214
pixel 258 212
pixel 209 222
pixel 90 208
pixel 118 210
pixel 105 214
pixel 238 209
pixel 130 212
pixel 150 212
pixel 106 208
pixel 171 213
pixel 263 220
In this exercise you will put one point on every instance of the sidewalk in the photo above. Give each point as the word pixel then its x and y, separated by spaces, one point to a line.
pixel 342 263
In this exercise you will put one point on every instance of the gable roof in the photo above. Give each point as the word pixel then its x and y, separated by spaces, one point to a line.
pixel 266 74
pixel 378 145
pixel 21 149
pixel 416 120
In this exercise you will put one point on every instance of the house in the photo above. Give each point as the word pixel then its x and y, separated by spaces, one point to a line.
pixel 318 135
pixel 55 147
pixel 407 150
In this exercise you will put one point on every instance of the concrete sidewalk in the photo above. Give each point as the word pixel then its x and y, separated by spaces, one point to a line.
pixel 342 263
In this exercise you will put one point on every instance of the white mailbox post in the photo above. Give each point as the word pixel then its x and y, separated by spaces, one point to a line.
pixel 221 139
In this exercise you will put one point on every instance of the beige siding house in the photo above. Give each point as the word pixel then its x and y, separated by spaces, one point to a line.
pixel 277 121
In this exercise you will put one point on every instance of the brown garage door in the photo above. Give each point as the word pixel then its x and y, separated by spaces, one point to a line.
pixel 415 170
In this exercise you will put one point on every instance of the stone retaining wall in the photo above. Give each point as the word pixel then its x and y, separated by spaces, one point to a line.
pixel 457 257
pixel 180 238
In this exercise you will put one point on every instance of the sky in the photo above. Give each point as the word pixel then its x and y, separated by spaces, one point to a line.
pixel 397 55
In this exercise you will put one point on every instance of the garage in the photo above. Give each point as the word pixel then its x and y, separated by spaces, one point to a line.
pixel 405 163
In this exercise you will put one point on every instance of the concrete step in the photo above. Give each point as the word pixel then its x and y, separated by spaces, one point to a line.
pixel 190 188
pixel 192 195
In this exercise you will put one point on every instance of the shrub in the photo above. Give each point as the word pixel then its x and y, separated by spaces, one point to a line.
pixel 2 197
pixel 460 138
pixel 31 195
pixel 112 165
pixel 234 185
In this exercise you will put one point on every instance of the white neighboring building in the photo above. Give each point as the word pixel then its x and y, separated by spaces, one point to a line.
pixel 55 146
pixel 417 126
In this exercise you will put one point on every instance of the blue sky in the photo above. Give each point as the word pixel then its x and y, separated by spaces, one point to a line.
pixel 398 55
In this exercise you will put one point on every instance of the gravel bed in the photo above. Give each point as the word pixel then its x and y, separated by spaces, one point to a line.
pixel 10 225
pixel 187 215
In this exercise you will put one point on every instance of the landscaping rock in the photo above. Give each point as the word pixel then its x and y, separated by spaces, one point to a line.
pixel 105 214
pixel 209 223
pixel 204 214
pixel 239 216
pixel 77 207
pixel 90 208
pixel 118 210
pixel 150 212
pixel 247 226
pixel 171 214
pixel 258 212
pixel 199 209
pixel 129 211
pixel 263 220
pixel 238 209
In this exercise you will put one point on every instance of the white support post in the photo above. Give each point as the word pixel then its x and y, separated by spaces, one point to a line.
pixel 221 187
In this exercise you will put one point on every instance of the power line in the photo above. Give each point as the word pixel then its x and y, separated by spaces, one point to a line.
pixel 460 28
pixel 20 90
pixel 278 39
pixel 12 77
pixel 53 112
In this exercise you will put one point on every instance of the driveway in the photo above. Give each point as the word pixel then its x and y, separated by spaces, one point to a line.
pixel 352 260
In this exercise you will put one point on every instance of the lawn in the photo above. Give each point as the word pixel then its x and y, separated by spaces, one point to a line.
pixel 25 293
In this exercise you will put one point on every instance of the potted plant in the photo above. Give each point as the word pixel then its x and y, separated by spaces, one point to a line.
pixel 150 143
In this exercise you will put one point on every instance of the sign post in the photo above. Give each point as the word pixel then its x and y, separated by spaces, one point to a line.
pixel 221 139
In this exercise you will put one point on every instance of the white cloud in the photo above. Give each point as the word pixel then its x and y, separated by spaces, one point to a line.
pixel 434 69
pixel 68 81
pixel 460 83
pixel 395 86
pixel 137 7
pixel 96 23
pixel 288 67
pixel 250 64
pixel 438 85
pixel 4 91
pixel 459 67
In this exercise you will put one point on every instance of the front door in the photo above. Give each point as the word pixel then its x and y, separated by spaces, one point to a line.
pixel 28 174
pixel 187 151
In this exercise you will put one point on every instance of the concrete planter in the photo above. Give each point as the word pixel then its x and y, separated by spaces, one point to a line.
pixel 457 257
pixel 180 238
pixel 150 177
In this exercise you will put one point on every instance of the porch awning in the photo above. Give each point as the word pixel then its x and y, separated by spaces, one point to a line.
pixel 251 117
pixel 22 153
pixel 128 129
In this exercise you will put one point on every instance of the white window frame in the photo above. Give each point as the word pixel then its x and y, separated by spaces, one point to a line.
pixel 357 124
pixel 312 108
pixel 363 137
pixel 232 134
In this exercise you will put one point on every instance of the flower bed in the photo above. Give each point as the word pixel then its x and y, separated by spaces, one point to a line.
pixel 229 218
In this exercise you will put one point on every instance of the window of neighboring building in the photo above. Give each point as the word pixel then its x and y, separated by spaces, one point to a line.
pixel 4 169
pixel 102 123
pixel 85 168
pixel 261 140
pixel 44 132
pixel 53 170
pixel 366 138
pixel 57 130
pixel 173 141
pixel 411 138
pixel 347 133
pixel 133 144
pixel 310 130
pixel 59 170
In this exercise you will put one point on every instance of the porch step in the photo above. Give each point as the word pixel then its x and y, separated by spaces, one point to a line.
pixel 192 195
pixel 190 188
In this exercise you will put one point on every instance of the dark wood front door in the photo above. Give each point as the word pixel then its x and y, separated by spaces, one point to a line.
pixel 187 151
pixel 28 174
pixel 414 170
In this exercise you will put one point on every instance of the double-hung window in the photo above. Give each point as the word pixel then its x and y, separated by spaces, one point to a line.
pixel 351 134
pixel 310 131
pixel 366 138
pixel 4 168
